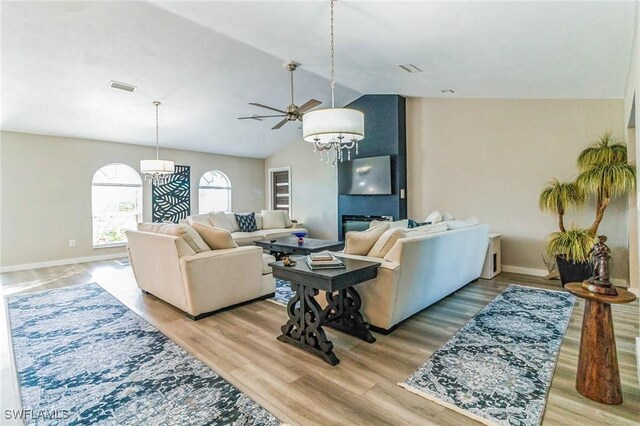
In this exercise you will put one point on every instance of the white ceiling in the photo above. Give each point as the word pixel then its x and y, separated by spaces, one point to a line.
pixel 206 60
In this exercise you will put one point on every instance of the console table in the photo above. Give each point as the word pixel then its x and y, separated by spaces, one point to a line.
pixel 598 377
pixel 304 327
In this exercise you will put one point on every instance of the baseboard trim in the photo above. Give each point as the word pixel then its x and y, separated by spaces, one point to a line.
pixel 618 282
pixel 61 262
pixel 525 271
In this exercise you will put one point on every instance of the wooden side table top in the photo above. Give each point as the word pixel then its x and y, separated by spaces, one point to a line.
pixel 623 296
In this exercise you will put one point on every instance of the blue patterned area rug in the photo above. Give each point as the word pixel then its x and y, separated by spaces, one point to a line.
pixel 498 367
pixel 283 292
pixel 84 358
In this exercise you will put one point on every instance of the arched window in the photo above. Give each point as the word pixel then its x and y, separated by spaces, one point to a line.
pixel 116 199
pixel 214 192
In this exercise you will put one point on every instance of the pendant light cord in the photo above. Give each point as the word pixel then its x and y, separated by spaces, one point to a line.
pixel 157 104
pixel 333 61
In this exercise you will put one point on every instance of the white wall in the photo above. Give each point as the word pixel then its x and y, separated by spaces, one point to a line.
pixel 633 141
pixel 488 158
pixel 491 158
pixel 46 191
pixel 314 189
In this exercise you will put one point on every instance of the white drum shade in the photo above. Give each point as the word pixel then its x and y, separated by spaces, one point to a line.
pixel 157 166
pixel 327 125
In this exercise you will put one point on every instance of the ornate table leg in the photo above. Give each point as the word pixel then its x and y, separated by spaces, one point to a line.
pixel 304 328
pixel 598 377
pixel 343 314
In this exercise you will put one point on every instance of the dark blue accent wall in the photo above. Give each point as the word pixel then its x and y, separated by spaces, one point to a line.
pixel 385 134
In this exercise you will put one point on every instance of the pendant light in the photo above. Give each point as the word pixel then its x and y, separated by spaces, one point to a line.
pixel 157 171
pixel 334 130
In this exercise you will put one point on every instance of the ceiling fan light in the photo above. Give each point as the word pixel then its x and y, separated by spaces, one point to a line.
pixel 329 125
pixel 157 167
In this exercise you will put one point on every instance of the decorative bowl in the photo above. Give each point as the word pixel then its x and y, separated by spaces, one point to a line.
pixel 300 236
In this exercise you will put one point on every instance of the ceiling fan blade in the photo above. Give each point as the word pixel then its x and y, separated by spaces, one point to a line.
pixel 311 103
pixel 280 124
pixel 260 117
pixel 267 107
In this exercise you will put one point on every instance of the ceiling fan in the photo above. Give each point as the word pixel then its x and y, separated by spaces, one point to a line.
pixel 292 112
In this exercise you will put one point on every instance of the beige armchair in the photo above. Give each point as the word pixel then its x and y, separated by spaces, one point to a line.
pixel 198 283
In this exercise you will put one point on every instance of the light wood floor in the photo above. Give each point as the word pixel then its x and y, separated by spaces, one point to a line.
pixel 299 388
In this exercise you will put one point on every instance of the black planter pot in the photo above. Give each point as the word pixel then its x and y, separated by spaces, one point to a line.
pixel 573 272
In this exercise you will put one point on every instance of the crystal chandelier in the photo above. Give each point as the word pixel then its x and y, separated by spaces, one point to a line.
pixel 334 130
pixel 157 171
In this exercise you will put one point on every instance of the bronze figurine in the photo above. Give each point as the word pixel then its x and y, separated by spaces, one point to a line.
pixel 599 282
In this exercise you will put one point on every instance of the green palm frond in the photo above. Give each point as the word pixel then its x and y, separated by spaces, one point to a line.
pixel 576 243
pixel 608 180
pixel 560 196
pixel 606 151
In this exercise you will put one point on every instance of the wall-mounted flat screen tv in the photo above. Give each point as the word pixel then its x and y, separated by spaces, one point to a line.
pixel 366 176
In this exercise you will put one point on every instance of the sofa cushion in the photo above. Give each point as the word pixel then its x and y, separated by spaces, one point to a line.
pixel 403 223
pixel 272 219
pixel 199 218
pixel 361 242
pixel 220 220
pixel 386 241
pixel 247 238
pixel 266 260
pixel 274 234
pixel 216 238
pixel 258 221
pixel 287 219
pixel 246 222
pixel 186 232
pixel 446 216
pixel 231 217
pixel 427 229
pixel 434 217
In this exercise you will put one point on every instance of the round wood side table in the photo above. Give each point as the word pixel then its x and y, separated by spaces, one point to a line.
pixel 598 377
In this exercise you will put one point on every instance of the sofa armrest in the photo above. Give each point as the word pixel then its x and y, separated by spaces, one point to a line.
pixel 221 253
pixel 392 266
pixel 219 278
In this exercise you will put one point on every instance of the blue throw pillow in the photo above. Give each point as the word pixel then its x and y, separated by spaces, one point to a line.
pixel 414 224
pixel 246 222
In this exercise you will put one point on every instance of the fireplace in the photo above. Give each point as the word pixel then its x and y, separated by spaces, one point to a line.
pixel 358 222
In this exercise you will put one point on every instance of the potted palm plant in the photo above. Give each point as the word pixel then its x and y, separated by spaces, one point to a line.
pixel 603 174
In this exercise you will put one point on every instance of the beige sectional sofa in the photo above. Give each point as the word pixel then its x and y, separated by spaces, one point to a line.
pixel 271 224
pixel 175 265
pixel 420 270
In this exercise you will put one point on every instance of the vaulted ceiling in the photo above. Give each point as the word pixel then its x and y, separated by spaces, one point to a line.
pixel 206 60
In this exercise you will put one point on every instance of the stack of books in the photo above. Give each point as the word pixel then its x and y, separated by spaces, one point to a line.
pixel 323 260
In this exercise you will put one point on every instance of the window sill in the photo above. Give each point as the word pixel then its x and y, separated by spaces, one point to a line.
pixel 112 245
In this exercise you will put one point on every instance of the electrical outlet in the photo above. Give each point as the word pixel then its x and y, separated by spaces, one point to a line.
pixel 72 243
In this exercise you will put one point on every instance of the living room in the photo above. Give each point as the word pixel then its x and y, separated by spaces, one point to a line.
pixel 477 106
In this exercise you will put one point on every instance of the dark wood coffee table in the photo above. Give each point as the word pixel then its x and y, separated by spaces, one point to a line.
pixel 287 246
pixel 304 328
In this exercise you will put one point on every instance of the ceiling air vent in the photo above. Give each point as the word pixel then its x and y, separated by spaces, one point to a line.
pixel 410 68
pixel 122 86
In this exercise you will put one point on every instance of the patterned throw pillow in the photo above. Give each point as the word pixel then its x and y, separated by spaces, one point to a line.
pixel 246 222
